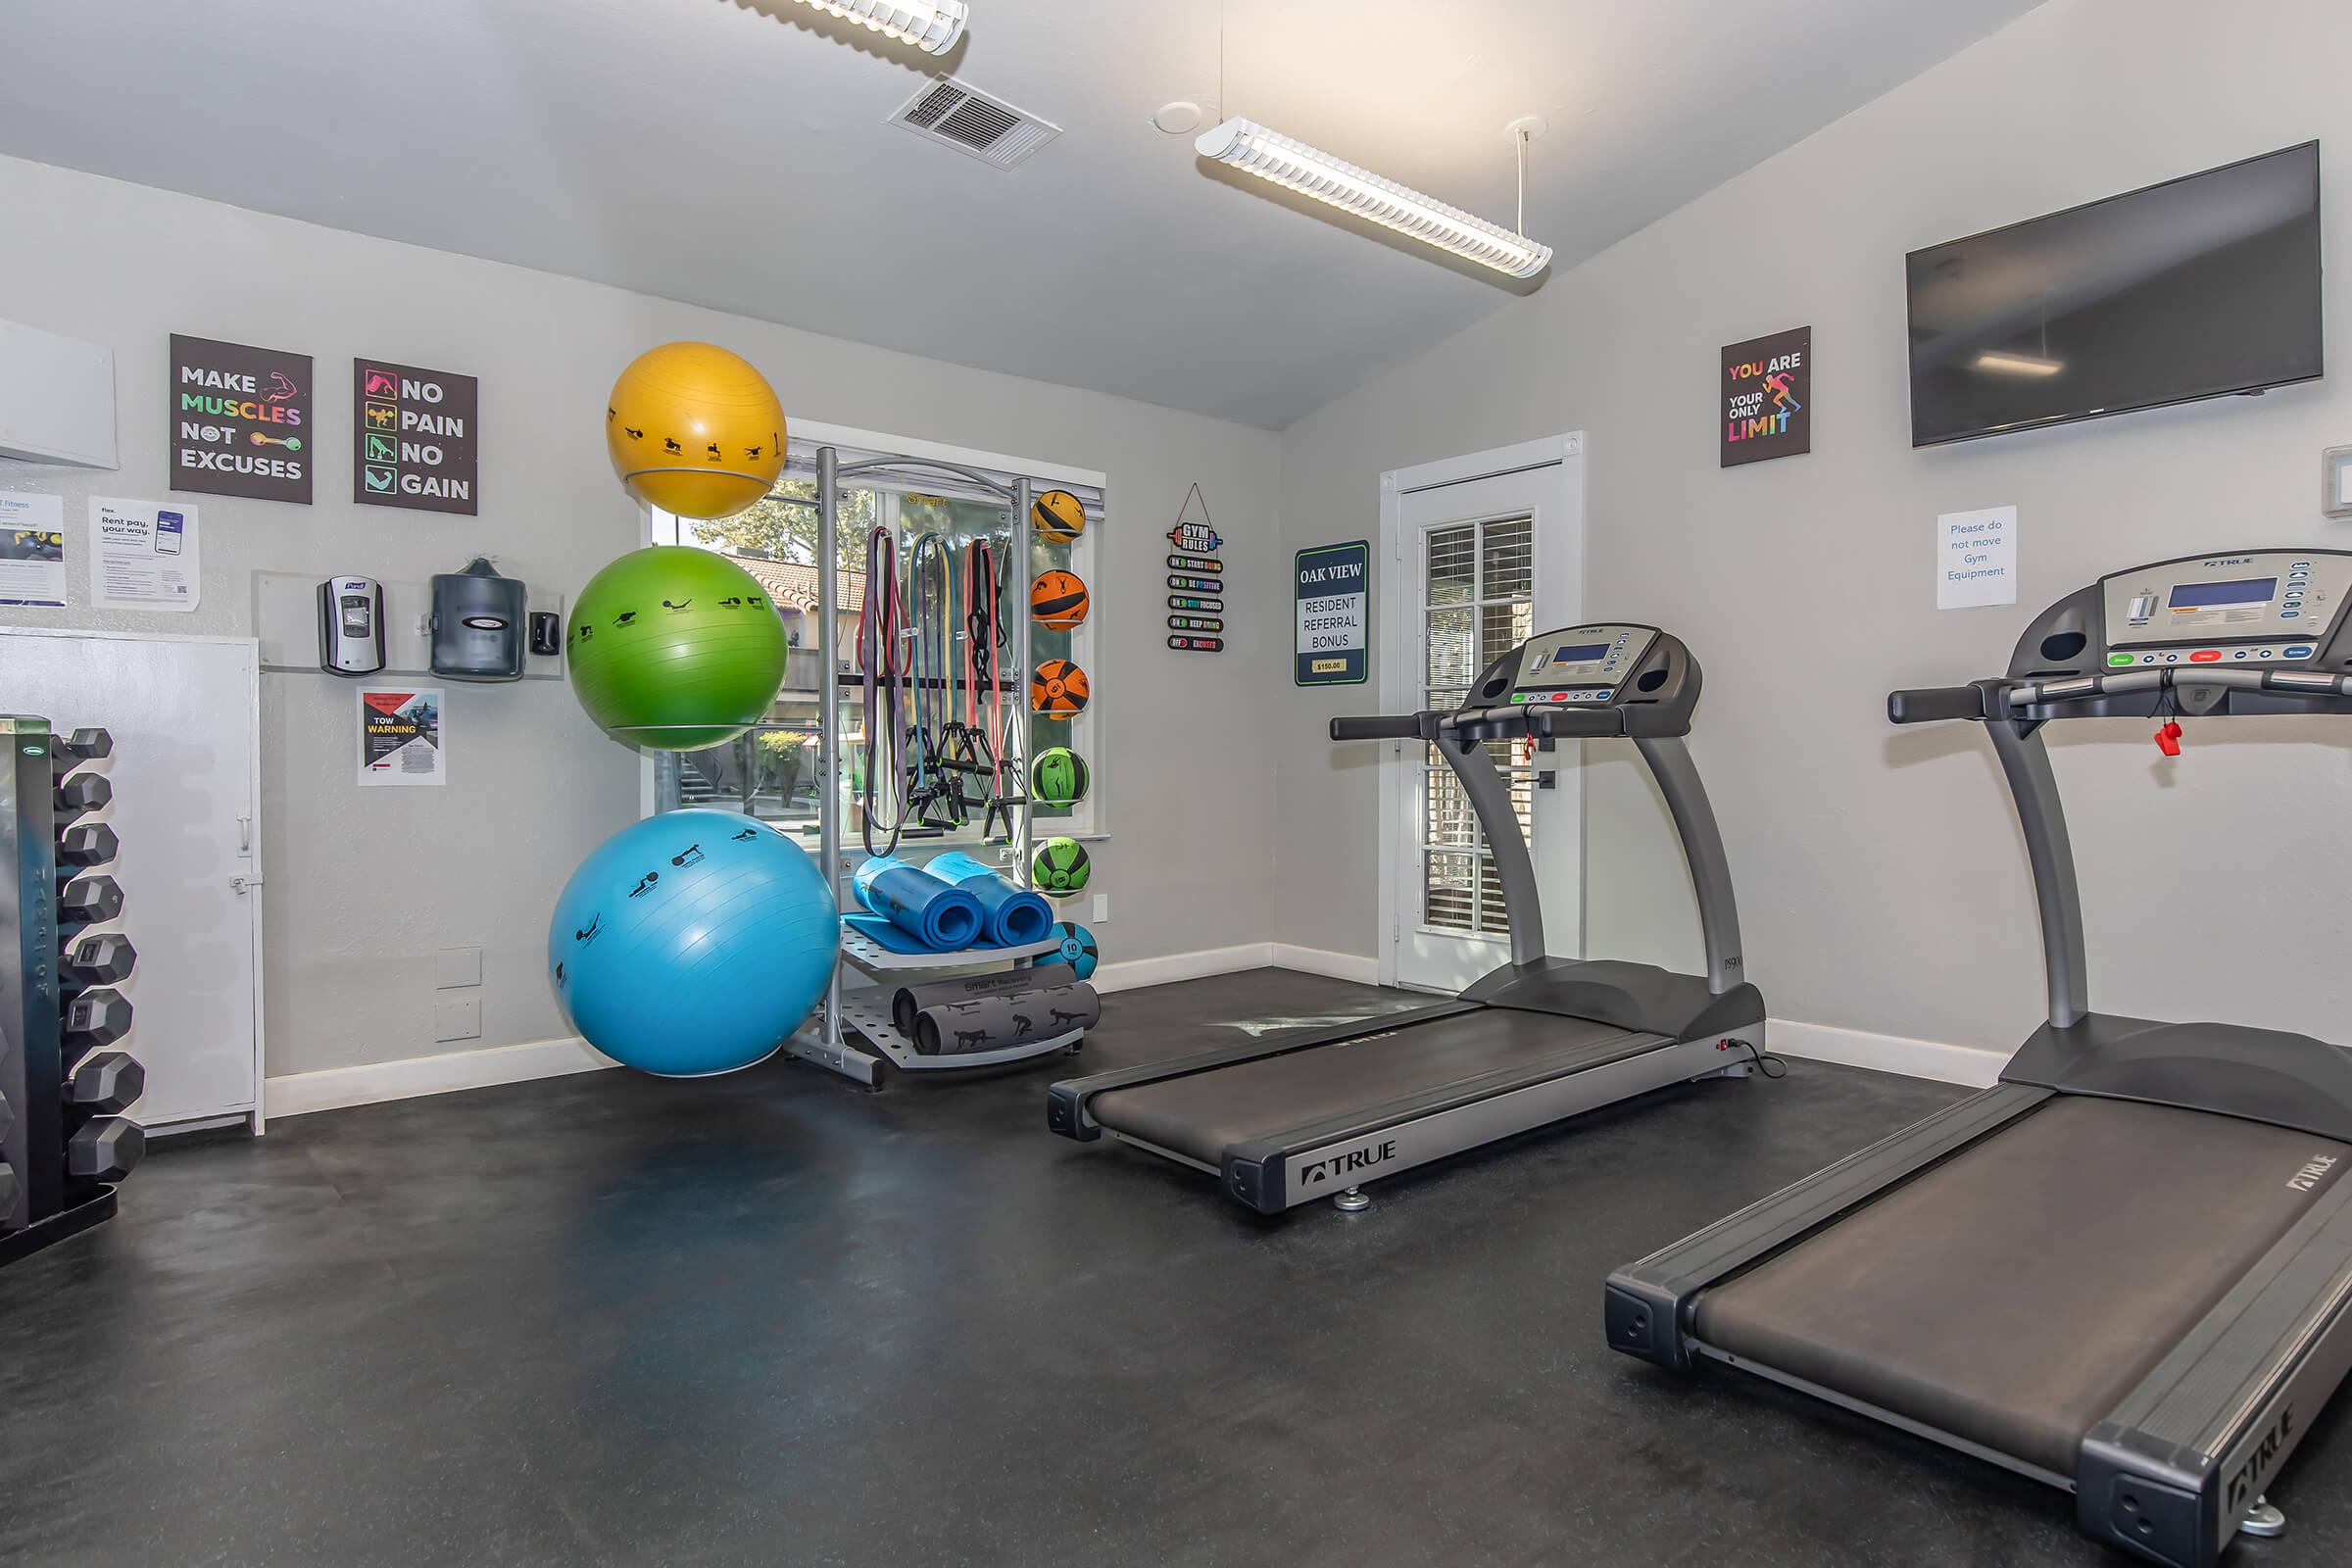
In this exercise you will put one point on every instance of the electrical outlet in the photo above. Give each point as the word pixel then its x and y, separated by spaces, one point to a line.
pixel 455 968
pixel 458 1018
pixel 1101 908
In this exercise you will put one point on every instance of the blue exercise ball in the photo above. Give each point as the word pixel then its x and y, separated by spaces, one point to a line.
pixel 692 943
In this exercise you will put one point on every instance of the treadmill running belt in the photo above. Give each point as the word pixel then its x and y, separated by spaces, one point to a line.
pixel 1202 1115
pixel 2015 1294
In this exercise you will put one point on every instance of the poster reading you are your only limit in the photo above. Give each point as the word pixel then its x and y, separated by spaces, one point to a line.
pixel 1764 405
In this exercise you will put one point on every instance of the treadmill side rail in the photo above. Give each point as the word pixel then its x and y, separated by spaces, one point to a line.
pixel 2170 1472
pixel 1650 1304
pixel 1317 1160
pixel 1066 1101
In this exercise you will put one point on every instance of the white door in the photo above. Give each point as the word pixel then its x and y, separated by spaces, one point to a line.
pixel 1486 552
pixel 184 713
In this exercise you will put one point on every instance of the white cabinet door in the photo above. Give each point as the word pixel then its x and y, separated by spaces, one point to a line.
pixel 184 713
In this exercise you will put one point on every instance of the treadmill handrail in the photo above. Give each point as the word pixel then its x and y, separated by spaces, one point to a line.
pixel 1420 727
pixel 1929 704
pixel 2004 696
pixel 1577 723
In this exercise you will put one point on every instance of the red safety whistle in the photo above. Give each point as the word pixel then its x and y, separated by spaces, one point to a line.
pixel 2167 739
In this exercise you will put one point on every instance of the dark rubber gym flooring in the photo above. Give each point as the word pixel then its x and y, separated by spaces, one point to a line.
pixel 770 1318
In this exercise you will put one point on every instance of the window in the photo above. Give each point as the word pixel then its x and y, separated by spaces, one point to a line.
pixel 1479 604
pixel 773 773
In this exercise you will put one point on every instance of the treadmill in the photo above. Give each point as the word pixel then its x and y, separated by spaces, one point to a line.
pixel 1285 1120
pixel 2123 1269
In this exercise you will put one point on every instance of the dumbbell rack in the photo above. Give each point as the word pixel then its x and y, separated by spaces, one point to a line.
pixel 64 1142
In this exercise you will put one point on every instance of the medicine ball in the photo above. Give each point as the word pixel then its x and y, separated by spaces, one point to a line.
pixel 1058 599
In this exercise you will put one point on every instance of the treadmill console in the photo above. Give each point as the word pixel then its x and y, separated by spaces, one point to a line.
pixel 1646 674
pixel 2247 608
pixel 1584 665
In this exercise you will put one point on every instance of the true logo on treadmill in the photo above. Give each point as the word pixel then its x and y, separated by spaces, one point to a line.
pixel 1334 1166
pixel 2246 1485
pixel 2307 1180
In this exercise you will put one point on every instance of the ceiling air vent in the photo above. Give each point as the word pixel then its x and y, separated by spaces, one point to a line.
pixel 975 123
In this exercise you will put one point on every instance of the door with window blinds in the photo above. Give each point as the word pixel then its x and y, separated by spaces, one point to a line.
pixel 1473 587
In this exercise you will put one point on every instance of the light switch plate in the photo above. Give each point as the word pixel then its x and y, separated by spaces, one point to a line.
pixel 456 967
pixel 2335 481
pixel 1101 908
pixel 458 1017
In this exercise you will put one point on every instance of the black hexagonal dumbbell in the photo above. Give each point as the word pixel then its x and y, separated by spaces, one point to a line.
pixel 77 792
pixel 87 844
pixel 106 1082
pixel 104 960
pixel 7 1119
pixel 99 1016
pixel 88 899
pixel 105 1149
pixel 83 746
pixel 8 1188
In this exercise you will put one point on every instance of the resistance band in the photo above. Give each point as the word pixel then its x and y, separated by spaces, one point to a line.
pixel 883 663
pixel 983 636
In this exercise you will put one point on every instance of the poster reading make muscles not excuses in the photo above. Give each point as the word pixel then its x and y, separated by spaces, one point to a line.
pixel 240 420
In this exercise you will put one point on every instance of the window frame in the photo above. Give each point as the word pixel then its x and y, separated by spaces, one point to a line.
pixel 1088 821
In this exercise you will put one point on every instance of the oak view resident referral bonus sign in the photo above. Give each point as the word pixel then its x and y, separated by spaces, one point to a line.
pixel 1334 614
pixel 240 420
pixel 415 439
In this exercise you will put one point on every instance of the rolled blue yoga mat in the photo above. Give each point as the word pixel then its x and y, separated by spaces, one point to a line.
pixel 938 915
pixel 1013 917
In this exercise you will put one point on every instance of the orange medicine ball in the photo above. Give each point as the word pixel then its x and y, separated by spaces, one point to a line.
pixel 1059 689
pixel 1058 598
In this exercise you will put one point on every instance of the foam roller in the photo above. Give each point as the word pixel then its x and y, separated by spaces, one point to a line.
pixel 911 1000
pixel 1003 1022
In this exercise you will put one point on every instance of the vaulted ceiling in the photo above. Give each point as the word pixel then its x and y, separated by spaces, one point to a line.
pixel 737 153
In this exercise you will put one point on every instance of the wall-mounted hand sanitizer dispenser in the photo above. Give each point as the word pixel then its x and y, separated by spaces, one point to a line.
pixel 478 623
pixel 351 626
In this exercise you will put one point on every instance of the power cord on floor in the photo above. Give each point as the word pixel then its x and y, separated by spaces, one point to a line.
pixel 1764 1062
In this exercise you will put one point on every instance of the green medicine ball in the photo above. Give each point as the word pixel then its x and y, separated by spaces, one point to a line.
pixel 675 649
pixel 1059 777
pixel 1060 869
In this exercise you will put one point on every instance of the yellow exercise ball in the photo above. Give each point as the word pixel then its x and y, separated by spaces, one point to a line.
pixel 695 431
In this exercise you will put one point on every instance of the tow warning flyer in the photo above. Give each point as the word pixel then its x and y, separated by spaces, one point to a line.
pixel 400 737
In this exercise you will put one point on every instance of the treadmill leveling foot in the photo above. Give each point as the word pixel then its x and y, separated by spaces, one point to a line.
pixel 1355 1201
pixel 2262 1520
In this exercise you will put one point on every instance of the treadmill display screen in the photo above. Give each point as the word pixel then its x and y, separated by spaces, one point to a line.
pixel 2217 595
pixel 1578 654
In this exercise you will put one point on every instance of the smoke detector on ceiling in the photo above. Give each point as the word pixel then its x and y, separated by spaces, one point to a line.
pixel 975 123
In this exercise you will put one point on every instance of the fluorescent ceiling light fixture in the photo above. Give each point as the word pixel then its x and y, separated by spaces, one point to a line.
pixel 1295 166
pixel 2018 364
pixel 931 25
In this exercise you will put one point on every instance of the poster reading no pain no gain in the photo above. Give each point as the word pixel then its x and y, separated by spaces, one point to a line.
pixel 240 420
pixel 415 441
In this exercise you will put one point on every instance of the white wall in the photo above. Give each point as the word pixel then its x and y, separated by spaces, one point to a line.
pixel 1882 878
pixel 366 885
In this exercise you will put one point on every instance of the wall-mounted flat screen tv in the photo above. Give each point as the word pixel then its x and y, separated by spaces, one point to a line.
pixel 2196 288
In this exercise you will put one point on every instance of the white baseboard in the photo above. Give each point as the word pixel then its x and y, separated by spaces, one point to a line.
pixel 1356 966
pixel 337 1087
pixel 1917 1058
pixel 1135 973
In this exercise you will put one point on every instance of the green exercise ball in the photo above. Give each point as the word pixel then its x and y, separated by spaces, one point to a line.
pixel 675 649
